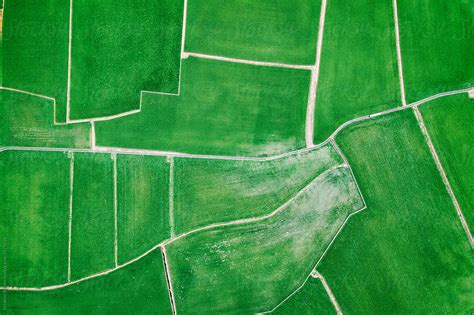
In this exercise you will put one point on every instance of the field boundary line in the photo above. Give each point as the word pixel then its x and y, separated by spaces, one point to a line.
pixel 92 135
pixel 169 241
pixel 399 52
pixel 69 63
pixel 313 87
pixel 186 55
pixel 114 159
pixel 444 177
pixel 171 197
pixel 168 280
pixel 71 191
pixel 318 275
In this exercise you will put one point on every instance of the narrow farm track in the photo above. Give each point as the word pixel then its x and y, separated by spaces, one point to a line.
pixel 319 276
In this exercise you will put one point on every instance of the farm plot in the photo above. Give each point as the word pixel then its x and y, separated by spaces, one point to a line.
pixel 449 122
pixel 224 108
pixel 120 48
pixel 251 267
pixel 142 204
pixel 34 190
pixel 208 191
pixel 283 31
pixel 310 299
pixel 136 288
pixel 358 72
pixel 407 252
pixel 27 120
pixel 437 42
pixel 35 48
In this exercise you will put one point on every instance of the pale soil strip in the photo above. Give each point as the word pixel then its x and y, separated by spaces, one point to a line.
pixel 69 61
pixel 168 280
pixel 399 52
pixel 319 276
pixel 171 196
pixel 92 134
pixel 471 93
pixel 421 123
pixel 114 158
pixel 71 190
pixel 183 40
pixel 169 241
pixel 248 62
pixel 309 128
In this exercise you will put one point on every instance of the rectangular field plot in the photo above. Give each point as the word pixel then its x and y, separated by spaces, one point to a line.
pixel 311 299
pixel 120 48
pixel 407 252
pixel 224 108
pixel 450 123
pixel 93 227
pixel 139 288
pixel 437 43
pixel 142 204
pixel 34 194
pixel 35 48
pixel 358 73
pixel 27 120
pixel 253 266
pixel 209 191
pixel 265 30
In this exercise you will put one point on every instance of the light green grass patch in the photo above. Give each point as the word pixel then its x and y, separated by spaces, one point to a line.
pixel 407 253
pixel 136 288
pixel 142 204
pixel 251 267
pixel 358 73
pixel 28 121
pixel 437 42
pixel 35 48
pixel 224 108
pixel 34 194
pixel 311 299
pixel 208 191
pixel 92 241
pixel 120 48
pixel 450 123
pixel 265 30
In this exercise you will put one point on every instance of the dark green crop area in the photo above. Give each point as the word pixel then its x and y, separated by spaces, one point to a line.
pixel 224 108
pixel 120 48
pixel 34 194
pixel 93 228
pixel 28 121
pixel 137 288
pixel 450 124
pixel 311 299
pixel 358 73
pixel 407 253
pixel 35 48
pixel 142 204
pixel 437 43
pixel 265 30
pixel 209 191
pixel 251 267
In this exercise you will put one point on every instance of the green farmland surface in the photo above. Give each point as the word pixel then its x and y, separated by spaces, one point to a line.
pixel 224 108
pixel 34 190
pixel 136 288
pixel 210 191
pixel 311 299
pixel 358 73
pixel 437 42
pixel 450 123
pixel 120 48
pixel 407 253
pixel 35 48
pixel 276 31
pixel 251 267
pixel 27 120
pixel 92 241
